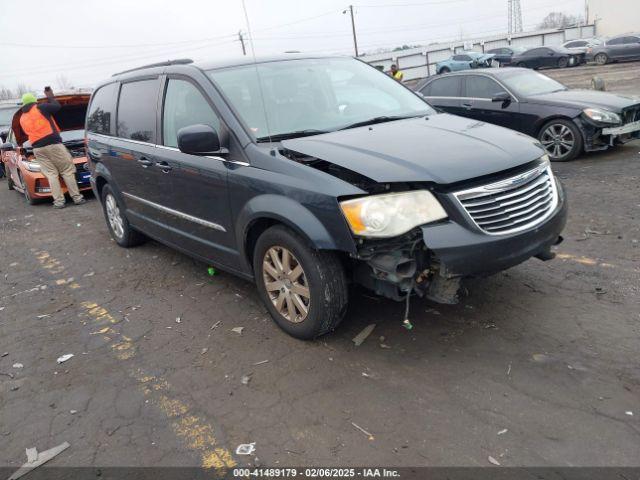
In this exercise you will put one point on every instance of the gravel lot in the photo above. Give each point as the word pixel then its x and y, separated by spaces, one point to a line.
pixel 537 366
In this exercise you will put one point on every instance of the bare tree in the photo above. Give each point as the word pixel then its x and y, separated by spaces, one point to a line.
pixel 22 89
pixel 6 93
pixel 63 82
pixel 559 20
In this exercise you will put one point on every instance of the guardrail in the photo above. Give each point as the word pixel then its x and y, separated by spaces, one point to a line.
pixel 421 62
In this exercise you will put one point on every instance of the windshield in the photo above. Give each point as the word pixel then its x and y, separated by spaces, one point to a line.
pixel 6 115
pixel 314 95
pixel 527 83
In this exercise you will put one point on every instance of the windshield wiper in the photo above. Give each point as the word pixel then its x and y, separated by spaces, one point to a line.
pixel 285 136
pixel 381 119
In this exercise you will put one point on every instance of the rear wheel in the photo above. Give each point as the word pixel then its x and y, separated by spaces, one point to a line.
pixel 119 227
pixel 305 290
pixel 522 65
pixel 601 59
pixel 563 62
pixel 561 139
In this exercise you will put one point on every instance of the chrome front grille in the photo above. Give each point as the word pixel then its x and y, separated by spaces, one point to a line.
pixel 512 205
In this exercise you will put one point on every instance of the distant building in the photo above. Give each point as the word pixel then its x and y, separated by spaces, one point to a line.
pixel 614 17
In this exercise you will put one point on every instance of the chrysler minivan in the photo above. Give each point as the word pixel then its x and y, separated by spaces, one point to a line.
pixel 307 174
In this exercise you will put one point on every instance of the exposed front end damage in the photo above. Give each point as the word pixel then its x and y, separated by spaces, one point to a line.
pixel 602 137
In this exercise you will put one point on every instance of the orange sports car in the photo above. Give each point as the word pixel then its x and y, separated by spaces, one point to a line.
pixel 23 171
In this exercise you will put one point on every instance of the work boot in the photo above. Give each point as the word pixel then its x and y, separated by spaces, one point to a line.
pixel 59 205
pixel 80 202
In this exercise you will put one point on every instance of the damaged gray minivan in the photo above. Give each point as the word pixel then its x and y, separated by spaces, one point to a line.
pixel 306 174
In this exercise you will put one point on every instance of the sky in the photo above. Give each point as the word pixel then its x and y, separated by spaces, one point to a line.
pixel 81 42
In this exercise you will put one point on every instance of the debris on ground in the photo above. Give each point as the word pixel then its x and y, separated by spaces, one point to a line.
pixel 4 354
pixel 204 350
pixel 600 291
pixel 629 412
pixel 362 336
pixel 178 319
pixel 503 431
pixel 73 412
pixel 10 375
pixel 18 365
pixel 540 357
pixel 407 324
pixel 509 370
pixel 432 310
pixel 215 325
pixel 246 448
pixel 89 274
pixel 211 271
pixel 371 437
pixel 261 362
pixel 245 379
pixel 65 357
pixel 15 388
pixel 35 459
pixel 493 460
pixel 237 330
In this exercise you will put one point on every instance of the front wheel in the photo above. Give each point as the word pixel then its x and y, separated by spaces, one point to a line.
pixel 563 62
pixel 119 227
pixel 305 290
pixel 445 70
pixel 561 139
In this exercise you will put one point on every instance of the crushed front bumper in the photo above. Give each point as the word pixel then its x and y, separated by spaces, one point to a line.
pixel 463 252
pixel 633 127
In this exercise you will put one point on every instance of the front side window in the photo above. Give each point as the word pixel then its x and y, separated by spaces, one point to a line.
pixel 184 105
pixel 137 110
pixel 100 112
pixel 313 95
pixel 6 115
pixel 445 87
pixel 462 58
pixel 482 87
pixel 616 41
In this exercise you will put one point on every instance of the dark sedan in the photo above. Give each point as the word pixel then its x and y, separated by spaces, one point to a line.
pixel 620 48
pixel 550 57
pixel 566 122
pixel 503 55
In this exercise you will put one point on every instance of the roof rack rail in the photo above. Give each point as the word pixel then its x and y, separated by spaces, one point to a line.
pixel 179 61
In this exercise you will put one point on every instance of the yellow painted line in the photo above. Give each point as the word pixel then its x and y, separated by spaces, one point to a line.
pixel 583 260
pixel 192 429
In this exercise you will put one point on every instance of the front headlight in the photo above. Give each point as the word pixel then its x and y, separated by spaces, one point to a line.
pixel 391 214
pixel 31 166
pixel 602 116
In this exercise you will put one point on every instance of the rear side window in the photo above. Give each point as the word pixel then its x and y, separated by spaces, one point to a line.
pixel 443 87
pixel 482 87
pixel 628 40
pixel 137 110
pixel 616 41
pixel 462 58
pixel 184 105
pixel 101 110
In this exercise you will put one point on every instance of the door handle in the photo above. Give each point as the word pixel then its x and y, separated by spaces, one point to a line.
pixel 164 166
pixel 145 162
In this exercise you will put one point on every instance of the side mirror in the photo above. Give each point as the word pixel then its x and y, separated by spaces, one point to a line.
pixel 198 140
pixel 501 97
pixel 7 147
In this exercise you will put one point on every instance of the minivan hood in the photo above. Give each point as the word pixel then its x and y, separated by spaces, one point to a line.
pixel 585 99
pixel 441 148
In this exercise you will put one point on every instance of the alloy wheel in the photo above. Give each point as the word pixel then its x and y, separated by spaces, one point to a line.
pixel 286 284
pixel 601 59
pixel 114 216
pixel 558 140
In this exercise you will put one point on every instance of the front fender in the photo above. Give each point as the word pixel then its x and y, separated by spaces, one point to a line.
pixel 290 213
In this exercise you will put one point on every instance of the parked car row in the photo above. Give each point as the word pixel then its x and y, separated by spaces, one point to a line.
pixel 569 54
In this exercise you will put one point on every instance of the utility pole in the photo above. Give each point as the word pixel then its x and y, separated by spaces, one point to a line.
pixel 515 16
pixel 241 38
pixel 353 29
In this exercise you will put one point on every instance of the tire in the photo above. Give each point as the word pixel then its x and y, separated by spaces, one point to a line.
pixel 562 130
pixel 522 65
pixel 321 276
pixel 444 70
pixel 601 58
pixel 563 62
pixel 10 183
pixel 117 222
pixel 25 191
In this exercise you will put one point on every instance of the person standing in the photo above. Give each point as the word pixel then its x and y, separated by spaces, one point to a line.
pixel 55 161
pixel 396 74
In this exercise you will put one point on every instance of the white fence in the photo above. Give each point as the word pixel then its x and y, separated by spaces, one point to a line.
pixel 421 62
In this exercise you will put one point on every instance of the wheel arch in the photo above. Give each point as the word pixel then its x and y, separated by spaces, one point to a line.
pixel 265 211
